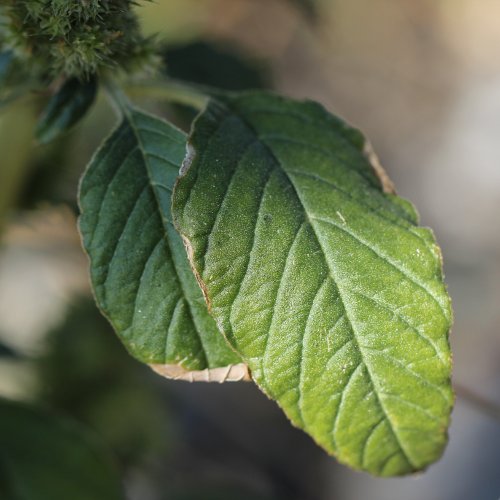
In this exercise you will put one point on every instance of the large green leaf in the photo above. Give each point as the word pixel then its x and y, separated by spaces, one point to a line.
pixel 321 281
pixel 44 457
pixel 139 270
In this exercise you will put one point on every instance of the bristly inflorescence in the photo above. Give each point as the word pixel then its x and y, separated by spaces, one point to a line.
pixel 75 38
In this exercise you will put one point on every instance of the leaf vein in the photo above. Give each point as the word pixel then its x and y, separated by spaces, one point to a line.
pixel 278 292
pixel 409 276
pixel 403 320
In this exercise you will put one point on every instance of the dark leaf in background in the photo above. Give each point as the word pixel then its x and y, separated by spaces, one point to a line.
pixel 87 374
pixel 66 108
pixel 7 352
pixel 44 457
pixel 213 64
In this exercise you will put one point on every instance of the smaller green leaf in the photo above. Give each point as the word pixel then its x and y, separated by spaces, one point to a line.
pixel 140 273
pixel 44 457
pixel 66 108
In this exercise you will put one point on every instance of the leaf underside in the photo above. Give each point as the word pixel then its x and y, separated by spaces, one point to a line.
pixel 324 284
pixel 138 265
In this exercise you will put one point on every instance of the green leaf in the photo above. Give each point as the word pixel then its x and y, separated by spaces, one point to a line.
pixel 66 108
pixel 216 65
pixel 322 282
pixel 43 457
pixel 140 274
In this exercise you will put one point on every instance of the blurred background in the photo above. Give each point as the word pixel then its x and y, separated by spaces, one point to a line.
pixel 422 80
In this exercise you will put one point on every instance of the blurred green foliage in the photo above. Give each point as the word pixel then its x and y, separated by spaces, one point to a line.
pixel 211 63
pixel 86 373
pixel 46 457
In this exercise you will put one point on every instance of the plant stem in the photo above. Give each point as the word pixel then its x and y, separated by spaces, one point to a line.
pixel 169 90
pixel 482 404
pixel 118 99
